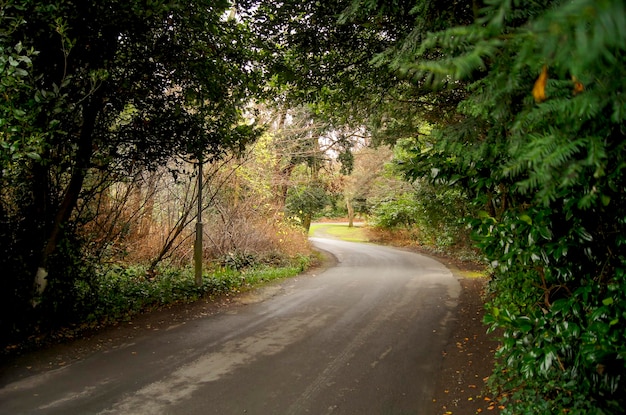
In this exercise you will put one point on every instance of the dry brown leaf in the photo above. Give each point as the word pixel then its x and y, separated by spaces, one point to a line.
pixel 578 86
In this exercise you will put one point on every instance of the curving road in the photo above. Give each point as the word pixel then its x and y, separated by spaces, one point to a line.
pixel 362 337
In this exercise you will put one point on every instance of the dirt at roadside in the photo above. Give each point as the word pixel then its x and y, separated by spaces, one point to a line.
pixel 467 361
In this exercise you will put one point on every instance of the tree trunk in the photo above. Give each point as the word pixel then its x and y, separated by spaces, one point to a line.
pixel 350 212
pixel 70 198
pixel 282 182
pixel 147 215
pixel 171 238
pixel 307 222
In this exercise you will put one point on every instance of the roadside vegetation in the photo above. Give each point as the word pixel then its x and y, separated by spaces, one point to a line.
pixel 118 293
pixel 492 128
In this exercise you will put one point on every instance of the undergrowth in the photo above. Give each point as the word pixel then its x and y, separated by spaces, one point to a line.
pixel 116 293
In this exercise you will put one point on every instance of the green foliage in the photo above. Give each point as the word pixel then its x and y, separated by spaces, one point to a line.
pixel 240 261
pixel 121 292
pixel 544 161
pixel 304 201
pixel 560 302
pixel 18 142
pixel 402 212
pixel 442 206
pixel 90 94
pixel 435 215
pixel 332 56
pixel 118 292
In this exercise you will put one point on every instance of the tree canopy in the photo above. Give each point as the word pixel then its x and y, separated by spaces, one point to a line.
pixel 332 55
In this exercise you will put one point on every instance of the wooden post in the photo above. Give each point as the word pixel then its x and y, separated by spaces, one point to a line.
pixel 197 253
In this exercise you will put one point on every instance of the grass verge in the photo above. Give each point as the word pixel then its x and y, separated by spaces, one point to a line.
pixel 340 231
pixel 124 292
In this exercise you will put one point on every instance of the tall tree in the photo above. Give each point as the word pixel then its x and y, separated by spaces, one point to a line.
pixel 109 87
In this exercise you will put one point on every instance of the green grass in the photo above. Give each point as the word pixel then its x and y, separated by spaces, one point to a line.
pixel 339 231
pixel 121 292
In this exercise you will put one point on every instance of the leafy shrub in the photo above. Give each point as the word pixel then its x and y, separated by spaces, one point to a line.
pixel 539 144
pixel 238 260
pixel 400 212
pixel 434 214
pixel 121 292
pixel 117 293
pixel 305 201
pixel 560 299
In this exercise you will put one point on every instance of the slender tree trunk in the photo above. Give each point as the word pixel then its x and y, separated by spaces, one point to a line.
pixel 350 212
pixel 282 182
pixel 171 238
pixel 307 222
pixel 72 193
pixel 177 229
pixel 147 215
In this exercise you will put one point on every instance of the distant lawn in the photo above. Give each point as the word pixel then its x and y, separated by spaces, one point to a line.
pixel 339 231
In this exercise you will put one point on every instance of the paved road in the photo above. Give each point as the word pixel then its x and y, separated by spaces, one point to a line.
pixel 364 337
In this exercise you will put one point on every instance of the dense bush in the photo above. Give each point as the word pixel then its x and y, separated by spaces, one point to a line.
pixel 400 212
pixel 539 145
pixel 305 201
pixel 124 291
pixel 434 215
pixel 560 298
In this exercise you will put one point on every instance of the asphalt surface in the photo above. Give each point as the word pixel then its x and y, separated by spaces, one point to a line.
pixel 362 337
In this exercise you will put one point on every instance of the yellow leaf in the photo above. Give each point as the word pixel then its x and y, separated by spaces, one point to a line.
pixel 539 90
